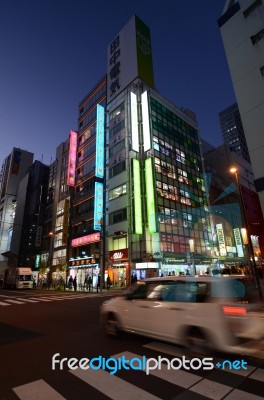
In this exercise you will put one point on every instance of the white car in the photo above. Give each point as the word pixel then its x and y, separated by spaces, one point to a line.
pixel 221 313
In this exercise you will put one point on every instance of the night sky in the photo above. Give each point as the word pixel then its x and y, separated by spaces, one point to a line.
pixel 54 51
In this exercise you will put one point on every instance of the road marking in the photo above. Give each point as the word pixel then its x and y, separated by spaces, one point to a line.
pixel 112 386
pixel 39 298
pixel 258 375
pixel 14 301
pixel 240 395
pixel 39 390
pixel 213 390
pixel 26 300
pixel 4 304
pixel 180 378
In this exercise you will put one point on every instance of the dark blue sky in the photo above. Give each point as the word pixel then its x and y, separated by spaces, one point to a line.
pixel 54 51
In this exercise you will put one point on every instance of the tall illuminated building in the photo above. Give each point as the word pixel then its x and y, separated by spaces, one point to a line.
pixel 87 187
pixel 155 192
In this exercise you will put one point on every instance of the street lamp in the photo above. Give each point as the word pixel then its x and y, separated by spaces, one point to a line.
pixel 246 232
pixel 191 243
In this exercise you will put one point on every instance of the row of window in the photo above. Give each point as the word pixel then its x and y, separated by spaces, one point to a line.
pixel 93 100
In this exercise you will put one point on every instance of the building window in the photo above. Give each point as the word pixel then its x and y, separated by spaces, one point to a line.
pixel 117 169
pixel 252 7
pixel 116 192
pixel 117 148
pixel 118 216
pixel 256 38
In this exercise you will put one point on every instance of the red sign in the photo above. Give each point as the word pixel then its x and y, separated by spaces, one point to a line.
pixel 118 255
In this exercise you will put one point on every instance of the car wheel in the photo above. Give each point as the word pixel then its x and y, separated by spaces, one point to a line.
pixel 197 341
pixel 112 327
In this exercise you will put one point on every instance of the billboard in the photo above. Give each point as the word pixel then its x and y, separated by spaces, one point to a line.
pixel 129 56
pixel 72 159
pixel 98 205
pixel 99 159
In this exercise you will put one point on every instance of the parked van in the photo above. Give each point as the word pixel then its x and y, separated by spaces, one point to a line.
pixel 220 313
pixel 18 278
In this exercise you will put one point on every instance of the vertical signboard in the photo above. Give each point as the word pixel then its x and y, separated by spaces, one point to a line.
pixel 134 122
pixel 145 121
pixel 99 159
pixel 72 159
pixel 238 240
pixel 150 196
pixel 98 206
pixel 221 239
pixel 144 52
pixel 129 56
pixel 137 197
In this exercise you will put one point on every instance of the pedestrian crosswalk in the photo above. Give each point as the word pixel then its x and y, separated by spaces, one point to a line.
pixel 131 385
pixel 8 301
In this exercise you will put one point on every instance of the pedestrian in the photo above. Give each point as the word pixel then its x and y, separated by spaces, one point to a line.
pixel 108 282
pixel 70 282
pixel 75 283
pixel 90 283
pixel 98 283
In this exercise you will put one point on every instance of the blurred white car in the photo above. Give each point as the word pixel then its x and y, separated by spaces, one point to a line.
pixel 221 313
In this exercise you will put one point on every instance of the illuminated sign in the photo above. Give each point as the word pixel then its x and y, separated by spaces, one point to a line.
pixel 221 239
pixel 137 197
pixel 98 206
pixel 82 262
pixel 118 255
pixel 239 245
pixel 72 159
pixel 151 212
pixel 134 121
pixel 37 262
pixel 145 120
pixel 81 241
pixel 99 159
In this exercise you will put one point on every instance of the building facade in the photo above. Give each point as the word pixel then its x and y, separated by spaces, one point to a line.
pixel 242 30
pixel 233 132
pixel 234 209
pixel 14 168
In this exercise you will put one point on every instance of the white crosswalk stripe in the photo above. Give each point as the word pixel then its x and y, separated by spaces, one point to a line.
pixel 14 301
pixel 4 304
pixel 117 388
pixel 23 300
pixel 112 386
pixel 26 300
pixel 39 390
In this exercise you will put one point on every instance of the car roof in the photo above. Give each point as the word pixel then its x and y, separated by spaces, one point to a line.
pixel 204 278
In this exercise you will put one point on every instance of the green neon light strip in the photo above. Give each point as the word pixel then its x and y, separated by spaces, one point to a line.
pixel 137 197
pixel 150 196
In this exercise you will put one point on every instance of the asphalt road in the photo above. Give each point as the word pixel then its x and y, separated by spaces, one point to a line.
pixel 36 325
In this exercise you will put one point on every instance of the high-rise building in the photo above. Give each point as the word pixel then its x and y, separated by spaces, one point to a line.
pixel 233 132
pixel 14 168
pixel 29 215
pixel 86 184
pixel 157 219
pixel 242 30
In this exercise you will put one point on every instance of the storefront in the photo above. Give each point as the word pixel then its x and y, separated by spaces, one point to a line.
pixel 118 268
pixel 84 268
